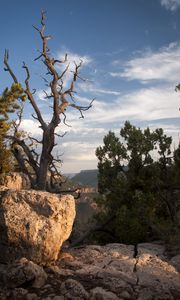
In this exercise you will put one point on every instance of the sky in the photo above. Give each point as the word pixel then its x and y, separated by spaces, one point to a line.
pixel 131 62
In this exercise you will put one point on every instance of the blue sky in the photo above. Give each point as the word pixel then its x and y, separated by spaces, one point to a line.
pixel 131 55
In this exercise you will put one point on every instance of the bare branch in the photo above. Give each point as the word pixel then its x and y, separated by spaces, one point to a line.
pixel 22 164
pixel 34 139
pixel 60 61
pixel 8 69
pixel 49 62
pixel 34 117
pixel 75 76
pixel 62 107
pixel 27 151
pixel 64 120
pixel 28 75
pixel 57 160
pixel 31 98
pixel 36 156
pixel 70 91
pixel 46 81
pixel 17 123
pixel 34 91
pixel 82 108
pixel 38 57
pixel 63 73
pixel 36 28
pixel 81 78
pixel 61 135
pixel 60 85
pixel 47 96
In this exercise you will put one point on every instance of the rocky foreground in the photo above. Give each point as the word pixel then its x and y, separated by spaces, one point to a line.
pixel 33 227
pixel 110 272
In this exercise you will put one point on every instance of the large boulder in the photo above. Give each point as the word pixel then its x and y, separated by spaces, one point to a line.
pixel 34 224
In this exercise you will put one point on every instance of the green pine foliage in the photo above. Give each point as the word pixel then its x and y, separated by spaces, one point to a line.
pixel 9 103
pixel 137 176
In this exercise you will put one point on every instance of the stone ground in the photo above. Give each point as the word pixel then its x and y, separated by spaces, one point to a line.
pixel 110 272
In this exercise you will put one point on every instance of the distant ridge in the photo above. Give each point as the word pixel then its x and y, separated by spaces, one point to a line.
pixel 86 178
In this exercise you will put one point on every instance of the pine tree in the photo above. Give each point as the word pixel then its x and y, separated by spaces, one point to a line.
pixel 9 103
pixel 135 187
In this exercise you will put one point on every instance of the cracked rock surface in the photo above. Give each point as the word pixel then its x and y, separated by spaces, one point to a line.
pixel 114 271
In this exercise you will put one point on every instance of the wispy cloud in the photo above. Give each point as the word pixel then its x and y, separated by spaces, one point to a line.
pixel 74 57
pixel 93 88
pixel 72 60
pixel 162 65
pixel 171 4
pixel 32 127
pixel 144 104
pixel 41 94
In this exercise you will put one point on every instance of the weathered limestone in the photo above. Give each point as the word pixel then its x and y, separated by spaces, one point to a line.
pixel 100 293
pixel 22 272
pixel 122 272
pixel 72 289
pixel 157 277
pixel 16 181
pixel 34 224
pixel 110 272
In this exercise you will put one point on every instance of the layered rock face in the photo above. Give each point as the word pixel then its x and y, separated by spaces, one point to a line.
pixel 34 224
pixel 110 272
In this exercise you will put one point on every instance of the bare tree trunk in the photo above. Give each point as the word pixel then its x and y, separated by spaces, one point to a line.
pixel 46 157
pixel 42 176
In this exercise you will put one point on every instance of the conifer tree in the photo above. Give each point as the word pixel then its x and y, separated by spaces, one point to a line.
pixel 9 103
pixel 137 184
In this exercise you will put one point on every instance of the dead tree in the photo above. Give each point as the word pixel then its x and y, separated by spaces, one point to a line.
pixel 39 165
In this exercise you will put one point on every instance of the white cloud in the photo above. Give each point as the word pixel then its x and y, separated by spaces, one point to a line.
pixel 147 104
pixel 144 104
pixel 92 88
pixel 162 65
pixel 32 127
pixel 171 4
pixel 41 94
pixel 79 155
pixel 72 58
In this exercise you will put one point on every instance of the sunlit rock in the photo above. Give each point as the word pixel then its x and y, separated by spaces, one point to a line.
pixel 34 224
